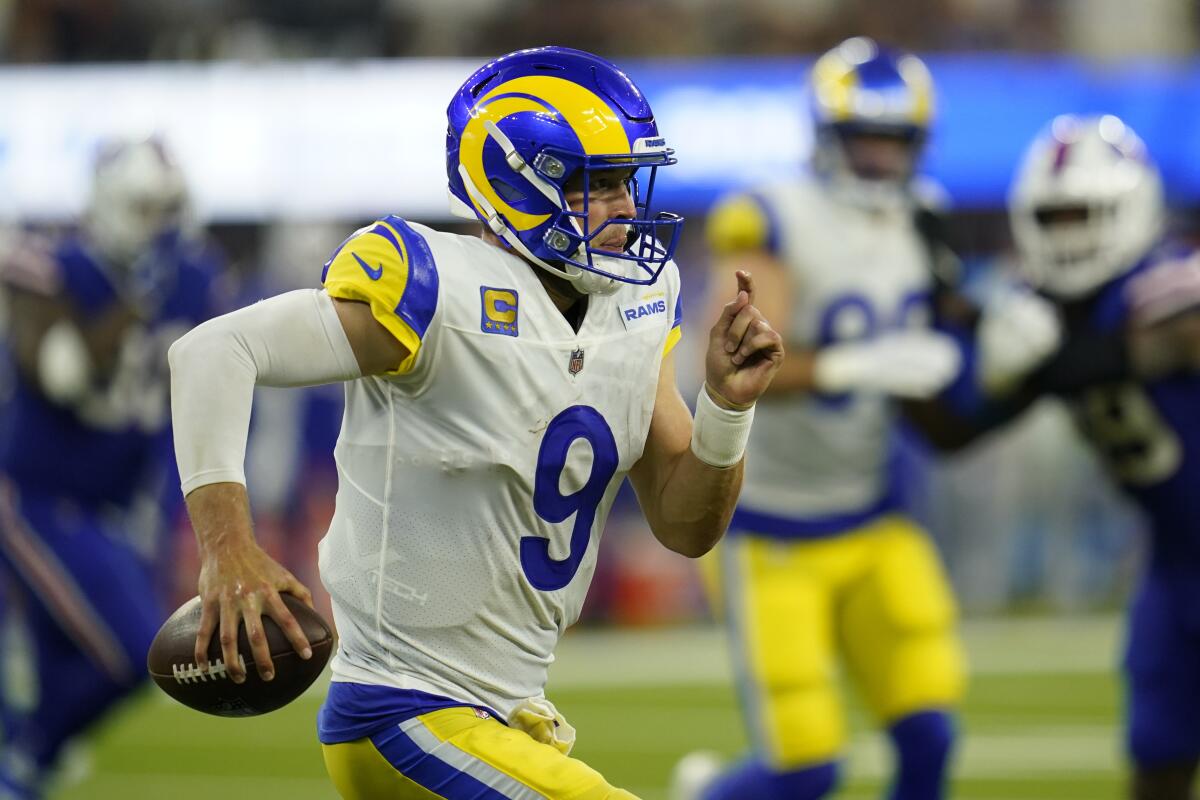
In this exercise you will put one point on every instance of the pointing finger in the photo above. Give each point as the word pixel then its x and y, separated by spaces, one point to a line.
pixel 729 313
pixel 737 329
pixel 746 284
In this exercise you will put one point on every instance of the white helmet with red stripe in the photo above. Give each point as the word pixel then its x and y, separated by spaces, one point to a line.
pixel 1086 206
pixel 137 195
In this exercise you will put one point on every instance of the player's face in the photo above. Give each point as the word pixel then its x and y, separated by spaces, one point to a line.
pixel 1074 232
pixel 155 213
pixel 608 198
pixel 879 157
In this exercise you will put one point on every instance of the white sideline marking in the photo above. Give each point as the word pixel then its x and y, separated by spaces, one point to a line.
pixel 1026 753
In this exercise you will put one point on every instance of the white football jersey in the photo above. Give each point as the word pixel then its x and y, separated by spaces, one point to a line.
pixel 856 273
pixel 474 486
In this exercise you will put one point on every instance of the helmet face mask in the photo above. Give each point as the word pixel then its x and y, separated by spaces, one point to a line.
pixel 1087 205
pixel 1074 231
pixel 879 156
pixel 524 128
pixel 640 245
pixel 871 109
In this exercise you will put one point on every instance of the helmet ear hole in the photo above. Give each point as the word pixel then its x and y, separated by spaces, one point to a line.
pixel 507 191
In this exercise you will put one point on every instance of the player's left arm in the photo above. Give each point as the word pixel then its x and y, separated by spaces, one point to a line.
pixel 690 472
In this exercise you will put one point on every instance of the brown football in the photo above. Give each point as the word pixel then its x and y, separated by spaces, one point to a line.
pixel 174 669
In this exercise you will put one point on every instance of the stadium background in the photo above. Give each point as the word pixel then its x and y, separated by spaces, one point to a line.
pixel 297 122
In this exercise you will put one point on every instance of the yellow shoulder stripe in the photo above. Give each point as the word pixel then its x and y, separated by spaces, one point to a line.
pixel 737 224
pixel 373 268
pixel 673 338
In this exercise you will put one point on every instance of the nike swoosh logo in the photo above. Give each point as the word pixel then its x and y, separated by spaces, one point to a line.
pixel 373 274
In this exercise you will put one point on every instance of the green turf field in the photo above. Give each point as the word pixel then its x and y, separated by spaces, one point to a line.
pixel 1041 721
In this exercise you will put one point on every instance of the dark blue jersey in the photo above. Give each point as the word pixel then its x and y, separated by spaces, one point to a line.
pixel 102 449
pixel 1148 434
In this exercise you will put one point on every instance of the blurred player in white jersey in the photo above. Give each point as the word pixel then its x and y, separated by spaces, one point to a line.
pixel 820 562
pixel 498 390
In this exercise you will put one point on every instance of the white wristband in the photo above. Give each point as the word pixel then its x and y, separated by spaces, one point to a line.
pixel 719 434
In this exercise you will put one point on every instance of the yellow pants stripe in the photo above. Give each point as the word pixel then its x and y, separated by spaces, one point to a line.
pixel 459 748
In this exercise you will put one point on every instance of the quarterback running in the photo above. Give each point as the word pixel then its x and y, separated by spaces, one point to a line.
pixel 498 391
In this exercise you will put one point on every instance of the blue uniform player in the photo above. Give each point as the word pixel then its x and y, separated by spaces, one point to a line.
pixel 1114 329
pixel 85 446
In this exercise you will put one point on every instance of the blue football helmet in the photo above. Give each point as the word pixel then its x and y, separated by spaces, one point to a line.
pixel 528 122
pixel 860 90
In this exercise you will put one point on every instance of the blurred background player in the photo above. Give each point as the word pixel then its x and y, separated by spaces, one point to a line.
pixel 1119 340
pixel 820 561
pixel 85 450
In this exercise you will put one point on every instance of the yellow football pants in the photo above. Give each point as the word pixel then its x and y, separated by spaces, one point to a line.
pixel 877 596
pixel 455 753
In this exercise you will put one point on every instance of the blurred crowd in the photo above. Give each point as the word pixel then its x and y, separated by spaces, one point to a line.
pixel 54 31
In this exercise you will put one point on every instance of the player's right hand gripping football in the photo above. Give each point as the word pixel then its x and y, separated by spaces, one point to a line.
pixel 239 583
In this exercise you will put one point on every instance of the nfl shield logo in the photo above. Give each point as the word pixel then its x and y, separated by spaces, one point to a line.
pixel 576 361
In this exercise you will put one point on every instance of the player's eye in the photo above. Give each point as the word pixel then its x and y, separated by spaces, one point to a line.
pixel 610 182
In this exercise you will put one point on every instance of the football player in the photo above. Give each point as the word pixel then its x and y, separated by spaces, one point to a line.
pixel 1114 329
pixel 821 566
pixel 84 444
pixel 498 391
